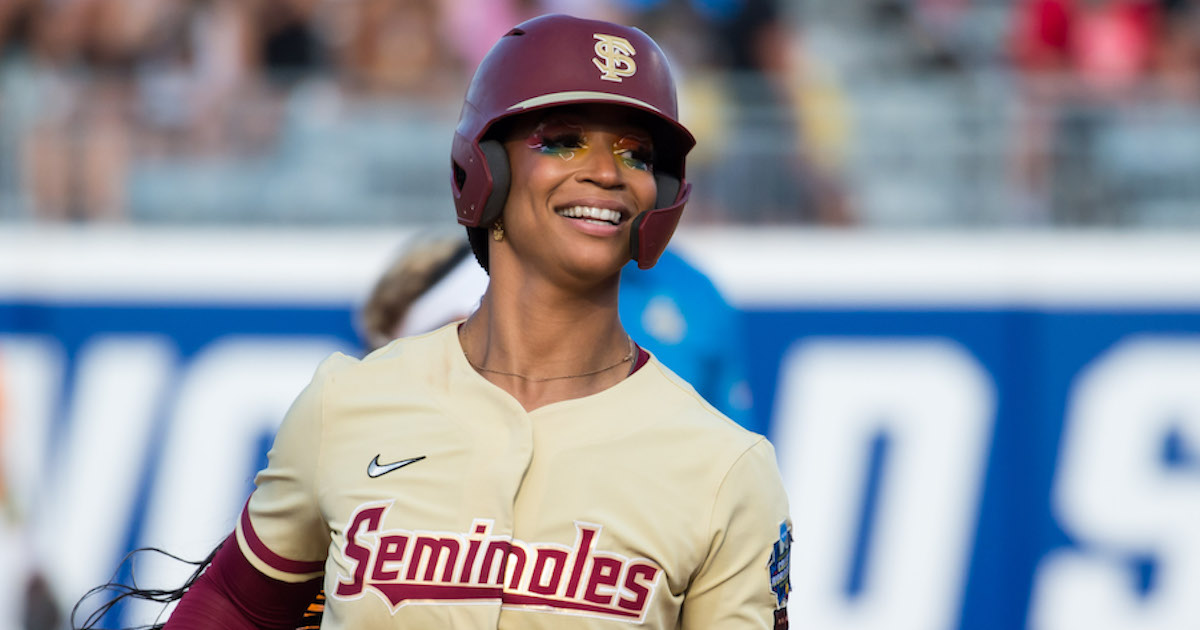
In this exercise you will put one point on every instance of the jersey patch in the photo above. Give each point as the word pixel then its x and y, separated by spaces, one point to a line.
pixel 779 566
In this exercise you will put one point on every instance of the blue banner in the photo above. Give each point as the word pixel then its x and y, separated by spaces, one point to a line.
pixel 1001 460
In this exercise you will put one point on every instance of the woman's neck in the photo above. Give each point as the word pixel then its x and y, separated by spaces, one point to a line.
pixel 543 345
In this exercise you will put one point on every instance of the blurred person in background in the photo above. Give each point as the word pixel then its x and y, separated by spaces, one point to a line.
pixel 107 82
pixel 1077 59
pixel 391 47
pixel 79 149
pixel 777 127
pixel 469 26
pixel 14 21
pixel 781 182
pixel 1177 56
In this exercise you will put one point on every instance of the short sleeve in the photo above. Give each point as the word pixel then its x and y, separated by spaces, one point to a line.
pixel 743 582
pixel 281 530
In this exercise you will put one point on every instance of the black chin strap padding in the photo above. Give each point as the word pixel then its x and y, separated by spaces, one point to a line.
pixel 668 190
pixel 497 164
pixel 634 230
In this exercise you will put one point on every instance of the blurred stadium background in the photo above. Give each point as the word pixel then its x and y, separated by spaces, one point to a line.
pixel 963 237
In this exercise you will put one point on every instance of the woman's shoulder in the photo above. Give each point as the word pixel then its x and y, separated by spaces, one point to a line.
pixel 433 342
pixel 416 354
pixel 681 404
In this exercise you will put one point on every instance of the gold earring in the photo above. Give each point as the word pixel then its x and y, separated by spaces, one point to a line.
pixel 498 230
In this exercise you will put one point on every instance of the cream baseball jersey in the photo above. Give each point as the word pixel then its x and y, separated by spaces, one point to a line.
pixel 428 497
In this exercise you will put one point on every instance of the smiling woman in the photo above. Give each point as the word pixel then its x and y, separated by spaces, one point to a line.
pixel 532 461
pixel 581 177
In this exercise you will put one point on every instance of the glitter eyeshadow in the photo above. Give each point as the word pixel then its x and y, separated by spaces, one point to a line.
pixel 567 140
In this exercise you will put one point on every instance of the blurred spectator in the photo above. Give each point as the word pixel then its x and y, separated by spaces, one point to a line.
pixel 390 47
pixel 1075 57
pixel 470 27
pixel 289 45
pixel 14 21
pixel 1176 57
pixel 1113 44
pixel 79 147
pixel 942 33
pixel 767 162
pixel 1041 46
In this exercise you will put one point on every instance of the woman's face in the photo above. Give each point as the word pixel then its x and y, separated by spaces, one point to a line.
pixel 580 175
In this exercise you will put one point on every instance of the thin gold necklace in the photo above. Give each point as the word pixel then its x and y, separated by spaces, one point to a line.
pixel 541 379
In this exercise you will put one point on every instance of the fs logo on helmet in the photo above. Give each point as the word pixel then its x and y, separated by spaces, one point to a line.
pixel 614 57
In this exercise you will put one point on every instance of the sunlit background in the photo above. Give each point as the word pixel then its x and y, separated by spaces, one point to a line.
pixel 962 238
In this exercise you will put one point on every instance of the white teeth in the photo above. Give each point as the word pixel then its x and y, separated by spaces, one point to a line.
pixel 587 212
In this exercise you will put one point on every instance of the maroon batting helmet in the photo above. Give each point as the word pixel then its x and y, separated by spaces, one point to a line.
pixel 557 60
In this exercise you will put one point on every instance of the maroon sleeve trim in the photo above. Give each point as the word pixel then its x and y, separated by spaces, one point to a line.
pixel 232 595
pixel 274 560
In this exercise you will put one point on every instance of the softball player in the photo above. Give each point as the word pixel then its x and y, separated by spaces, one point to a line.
pixel 531 466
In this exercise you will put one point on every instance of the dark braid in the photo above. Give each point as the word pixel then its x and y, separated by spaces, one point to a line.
pixel 120 592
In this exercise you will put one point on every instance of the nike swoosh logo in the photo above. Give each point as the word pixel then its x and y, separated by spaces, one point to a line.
pixel 375 469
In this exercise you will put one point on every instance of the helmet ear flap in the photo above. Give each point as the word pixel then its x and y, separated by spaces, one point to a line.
pixel 651 230
pixel 668 190
pixel 497 164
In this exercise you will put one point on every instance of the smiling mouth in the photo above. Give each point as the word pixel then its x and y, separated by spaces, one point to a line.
pixel 589 214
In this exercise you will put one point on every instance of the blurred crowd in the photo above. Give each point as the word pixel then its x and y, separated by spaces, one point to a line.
pixel 1131 100
pixel 109 81
pixel 93 90
pixel 100 86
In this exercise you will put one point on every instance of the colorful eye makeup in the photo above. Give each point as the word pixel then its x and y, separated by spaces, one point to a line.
pixel 567 140
pixel 560 138
pixel 636 151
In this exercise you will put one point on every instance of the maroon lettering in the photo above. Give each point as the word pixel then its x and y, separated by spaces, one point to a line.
pixel 581 556
pixel 429 551
pixel 516 560
pixel 370 518
pixel 639 580
pixel 474 566
pixel 465 573
pixel 391 549
pixel 605 573
pixel 538 583
pixel 496 550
